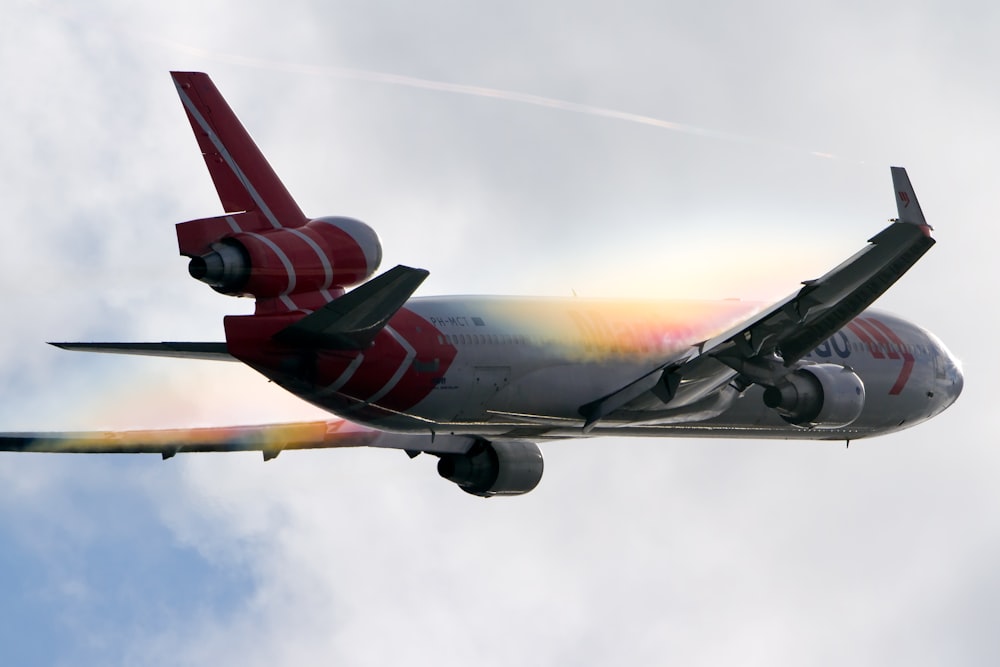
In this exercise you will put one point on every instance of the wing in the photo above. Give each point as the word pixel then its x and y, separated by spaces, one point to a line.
pixel 270 439
pixel 762 349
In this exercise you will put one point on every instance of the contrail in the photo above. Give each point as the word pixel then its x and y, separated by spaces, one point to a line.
pixel 458 88
pixel 475 91
pixel 440 86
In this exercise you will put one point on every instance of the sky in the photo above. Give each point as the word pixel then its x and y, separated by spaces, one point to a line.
pixel 629 148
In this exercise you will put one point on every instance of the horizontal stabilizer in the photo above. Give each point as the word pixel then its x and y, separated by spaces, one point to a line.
pixel 352 321
pixel 210 351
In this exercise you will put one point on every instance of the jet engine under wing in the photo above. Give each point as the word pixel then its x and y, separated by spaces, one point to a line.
pixel 271 439
pixel 762 349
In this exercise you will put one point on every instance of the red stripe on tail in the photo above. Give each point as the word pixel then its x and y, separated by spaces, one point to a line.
pixel 242 176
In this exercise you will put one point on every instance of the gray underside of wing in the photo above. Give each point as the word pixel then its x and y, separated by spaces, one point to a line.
pixel 271 439
pixel 176 350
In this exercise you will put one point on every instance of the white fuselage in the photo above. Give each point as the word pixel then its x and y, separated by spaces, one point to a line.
pixel 524 367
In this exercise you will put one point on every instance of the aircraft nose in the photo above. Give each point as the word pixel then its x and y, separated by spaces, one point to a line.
pixel 956 377
pixel 952 382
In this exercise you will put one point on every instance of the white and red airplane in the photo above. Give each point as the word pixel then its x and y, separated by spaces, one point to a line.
pixel 478 381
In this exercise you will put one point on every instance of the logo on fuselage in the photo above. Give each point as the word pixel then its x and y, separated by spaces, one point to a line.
pixel 878 339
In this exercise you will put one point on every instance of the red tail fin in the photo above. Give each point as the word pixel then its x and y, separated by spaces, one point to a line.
pixel 242 176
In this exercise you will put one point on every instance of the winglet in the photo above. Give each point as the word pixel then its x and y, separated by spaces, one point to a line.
pixel 352 321
pixel 906 199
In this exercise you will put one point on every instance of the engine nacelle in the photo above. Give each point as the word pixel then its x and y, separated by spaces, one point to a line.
pixel 822 396
pixel 499 468
pixel 323 253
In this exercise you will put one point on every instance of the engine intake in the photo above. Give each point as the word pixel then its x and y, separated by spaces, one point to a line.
pixel 499 468
pixel 821 396
pixel 324 253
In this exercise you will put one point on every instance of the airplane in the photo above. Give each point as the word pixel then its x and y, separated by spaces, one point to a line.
pixel 479 381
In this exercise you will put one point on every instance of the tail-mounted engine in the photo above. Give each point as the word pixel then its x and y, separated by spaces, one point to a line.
pixel 498 468
pixel 324 253
pixel 821 396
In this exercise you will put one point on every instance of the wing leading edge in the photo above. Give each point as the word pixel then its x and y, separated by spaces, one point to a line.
pixel 762 349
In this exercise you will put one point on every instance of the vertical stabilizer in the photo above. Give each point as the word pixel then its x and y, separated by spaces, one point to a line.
pixel 263 246
pixel 242 176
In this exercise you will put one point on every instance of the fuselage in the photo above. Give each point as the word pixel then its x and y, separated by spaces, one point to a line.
pixel 523 367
